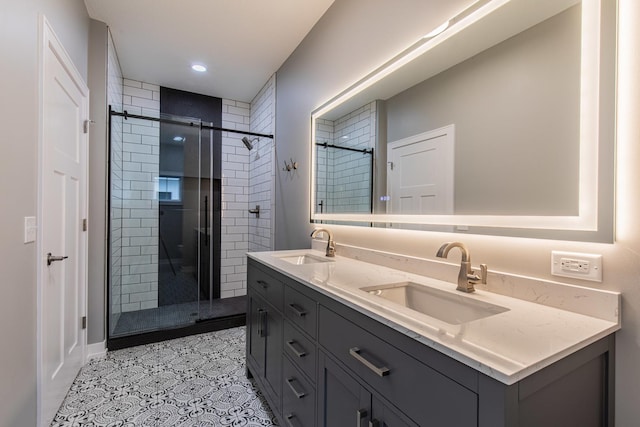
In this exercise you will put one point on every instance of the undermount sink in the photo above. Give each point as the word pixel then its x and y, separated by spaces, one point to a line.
pixel 444 306
pixel 301 259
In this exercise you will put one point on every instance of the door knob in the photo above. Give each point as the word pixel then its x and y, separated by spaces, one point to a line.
pixel 52 258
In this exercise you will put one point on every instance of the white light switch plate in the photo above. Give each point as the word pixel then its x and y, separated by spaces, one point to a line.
pixel 577 265
pixel 30 229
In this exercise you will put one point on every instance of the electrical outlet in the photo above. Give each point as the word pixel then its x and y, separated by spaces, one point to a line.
pixel 577 265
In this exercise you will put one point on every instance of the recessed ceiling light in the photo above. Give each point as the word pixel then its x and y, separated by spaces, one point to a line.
pixel 199 68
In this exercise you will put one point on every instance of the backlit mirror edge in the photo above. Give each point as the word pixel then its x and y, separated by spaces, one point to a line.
pixel 595 205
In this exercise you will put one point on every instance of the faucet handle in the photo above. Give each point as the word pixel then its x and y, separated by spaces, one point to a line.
pixel 483 274
pixel 331 248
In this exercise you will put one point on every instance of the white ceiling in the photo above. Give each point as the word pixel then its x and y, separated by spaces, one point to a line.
pixel 242 42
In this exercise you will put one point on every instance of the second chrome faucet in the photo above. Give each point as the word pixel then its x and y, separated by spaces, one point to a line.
pixel 466 276
pixel 331 245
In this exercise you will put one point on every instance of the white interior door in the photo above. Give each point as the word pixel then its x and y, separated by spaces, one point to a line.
pixel 63 206
pixel 420 173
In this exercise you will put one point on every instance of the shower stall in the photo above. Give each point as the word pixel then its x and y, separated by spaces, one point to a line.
pixel 164 229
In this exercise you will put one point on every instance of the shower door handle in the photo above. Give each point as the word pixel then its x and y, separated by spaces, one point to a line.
pixel 206 220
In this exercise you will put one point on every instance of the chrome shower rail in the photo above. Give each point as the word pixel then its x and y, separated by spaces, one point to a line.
pixel 126 115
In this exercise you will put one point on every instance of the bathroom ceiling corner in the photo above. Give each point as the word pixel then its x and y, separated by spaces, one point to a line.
pixel 241 42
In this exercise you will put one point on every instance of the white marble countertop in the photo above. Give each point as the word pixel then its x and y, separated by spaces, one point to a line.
pixel 507 346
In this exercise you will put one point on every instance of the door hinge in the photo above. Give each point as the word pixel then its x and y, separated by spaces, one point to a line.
pixel 84 322
pixel 86 124
pixel 84 224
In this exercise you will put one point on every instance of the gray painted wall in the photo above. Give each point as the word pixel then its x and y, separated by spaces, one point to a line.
pixel 344 45
pixel 356 35
pixel 98 45
pixel 18 185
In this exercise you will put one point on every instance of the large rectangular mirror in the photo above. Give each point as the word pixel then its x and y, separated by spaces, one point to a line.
pixel 501 121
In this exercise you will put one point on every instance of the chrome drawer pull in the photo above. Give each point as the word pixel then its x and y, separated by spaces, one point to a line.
pixel 360 414
pixel 289 418
pixel 297 310
pixel 355 352
pixel 299 394
pixel 299 353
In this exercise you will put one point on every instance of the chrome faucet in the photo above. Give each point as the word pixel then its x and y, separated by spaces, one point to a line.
pixel 466 277
pixel 331 245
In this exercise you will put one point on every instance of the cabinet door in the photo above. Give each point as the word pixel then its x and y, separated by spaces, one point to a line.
pixel 342 401
pixel 273 358
pixel 385 416
pixel 256 344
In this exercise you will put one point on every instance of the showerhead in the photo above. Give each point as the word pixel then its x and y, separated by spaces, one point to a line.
pixel 248 143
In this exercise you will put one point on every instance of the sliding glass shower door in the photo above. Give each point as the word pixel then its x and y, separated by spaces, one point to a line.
pixel 161 204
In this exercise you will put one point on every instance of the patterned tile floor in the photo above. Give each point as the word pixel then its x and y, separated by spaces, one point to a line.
pixel 193 381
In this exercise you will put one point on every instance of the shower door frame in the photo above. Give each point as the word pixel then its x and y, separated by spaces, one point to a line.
pixel 206 325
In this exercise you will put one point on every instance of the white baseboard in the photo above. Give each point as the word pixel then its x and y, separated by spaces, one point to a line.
pixel 96 350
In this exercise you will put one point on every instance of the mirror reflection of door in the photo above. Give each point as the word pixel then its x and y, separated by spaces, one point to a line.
pixel 420 173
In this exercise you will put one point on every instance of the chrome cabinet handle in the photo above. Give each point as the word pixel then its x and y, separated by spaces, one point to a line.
pixel 261 322
pixel 355 352
pixel 299 353
pixel 289 418
pixel 297 310
pixel 54 258
pixel 299 394
pixel 360 414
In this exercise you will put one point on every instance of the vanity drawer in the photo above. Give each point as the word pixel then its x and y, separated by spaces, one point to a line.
pixel 300 310
pixel 271 289
pixel 424 394
pixel 300 350
pixel 298 398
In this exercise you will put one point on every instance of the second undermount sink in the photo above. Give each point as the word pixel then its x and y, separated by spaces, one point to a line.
pixel 301 259
pixel 445 306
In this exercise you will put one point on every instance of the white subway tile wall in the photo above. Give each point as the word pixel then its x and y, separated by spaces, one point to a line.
pixel 247 180
pixel 140 165
pixel 234 239
pixel 344 177
pixel 114 99
pixel 261 169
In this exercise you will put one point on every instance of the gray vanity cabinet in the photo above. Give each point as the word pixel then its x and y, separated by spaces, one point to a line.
pixel 298 397
pixel 321 363
pixel 345 401
pixel 300 358
pixel 264 334
pixel 422 393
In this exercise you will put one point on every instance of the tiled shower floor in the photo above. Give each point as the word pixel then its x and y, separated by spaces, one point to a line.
pixel 194 381
pixel 170 316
